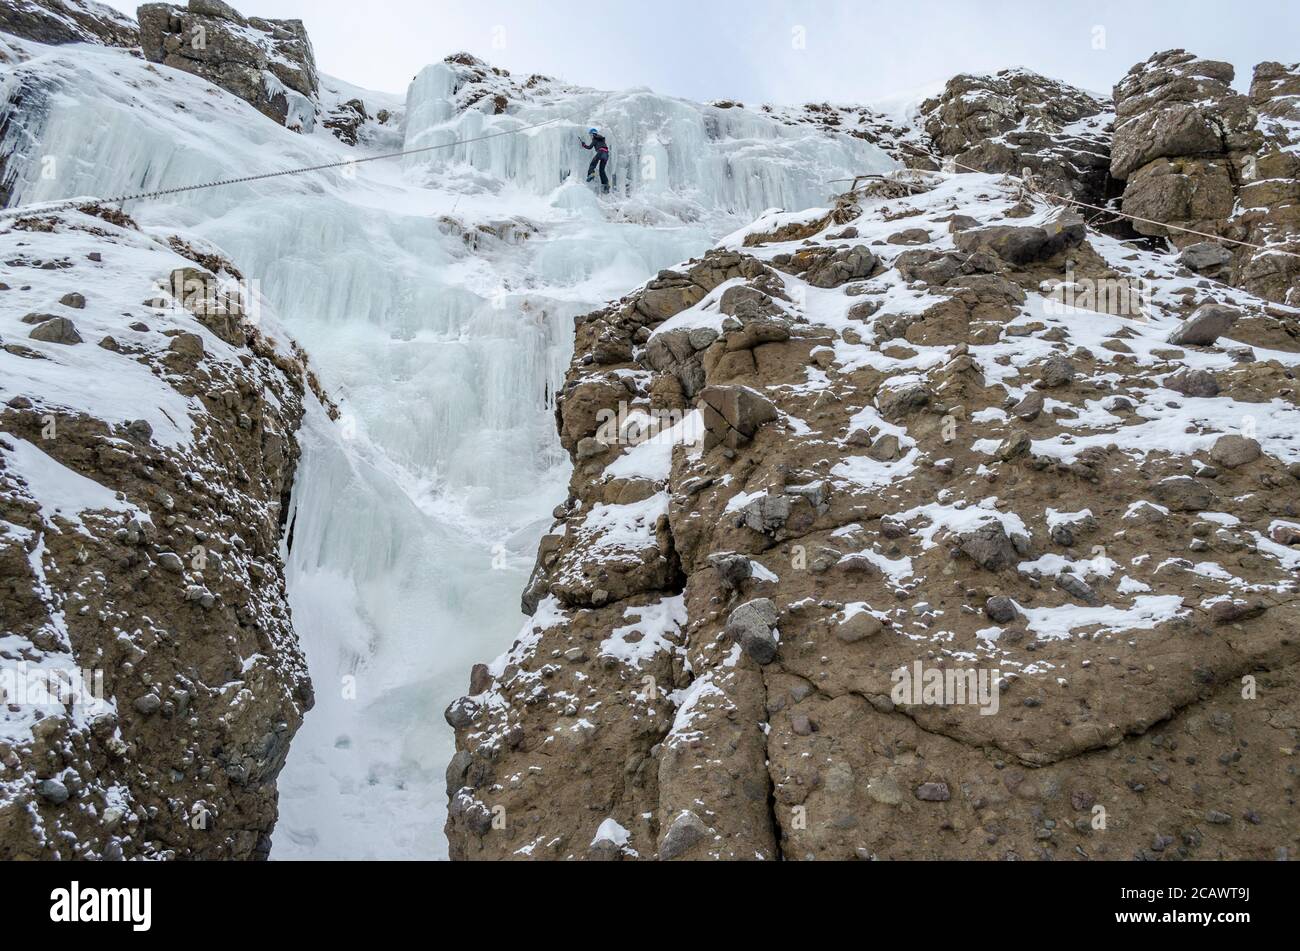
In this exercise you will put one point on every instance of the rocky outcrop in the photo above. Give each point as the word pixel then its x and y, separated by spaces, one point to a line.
pixel 1017 119
pixel 267 63
pixel 68 21
pixel 150 673
pixel 1194 153
pixel 347 120
pixel 354 121
pixel 1174 106
pixel 905 143
pixel 1270 196
pixel 956 557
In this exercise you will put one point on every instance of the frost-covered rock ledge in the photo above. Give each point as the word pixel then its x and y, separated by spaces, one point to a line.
pixel 152 679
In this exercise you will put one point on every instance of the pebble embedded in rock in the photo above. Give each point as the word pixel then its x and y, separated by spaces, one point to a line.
pixel 885 789
pixel 885 449
pixel 457 770
pixel 588 448
pixel 461 713
pixel 1001 609
pixel 52 791
pixel 1073 584
pixel 858 628
pixel 1205 256
pixel 1200 383
pixel 1184 494
pixel 933 792
pixel 910 236
pixel 989 547
pixel 1029 408
pixel 733 569
pixel 684 832
pixel 1205 326
pixel 1016 445
pixel 187 345
pixel 480 679
pixel 752 627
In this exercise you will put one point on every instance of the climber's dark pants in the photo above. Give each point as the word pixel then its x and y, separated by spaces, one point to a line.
pixel 601 159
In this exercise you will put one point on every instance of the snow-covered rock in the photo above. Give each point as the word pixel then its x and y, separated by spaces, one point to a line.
pixel 68 21
pixel 899 518
pixel 437 299
pixel 268 63
pixel 1194 153
pixel 151 677
pixel 1017 119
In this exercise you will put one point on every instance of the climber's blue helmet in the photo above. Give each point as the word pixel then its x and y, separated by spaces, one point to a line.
pixel 593 131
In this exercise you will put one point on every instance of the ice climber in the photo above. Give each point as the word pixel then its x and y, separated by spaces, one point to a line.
pixel 600 159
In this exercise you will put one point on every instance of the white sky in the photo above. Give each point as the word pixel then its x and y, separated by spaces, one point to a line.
pixel 852 51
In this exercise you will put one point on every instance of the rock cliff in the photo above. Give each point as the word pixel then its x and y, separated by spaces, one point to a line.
pixel 1017 119
pixel 931 525
pixel 268 63
pixel 1193 152
pixel 152 680
pixel 68 21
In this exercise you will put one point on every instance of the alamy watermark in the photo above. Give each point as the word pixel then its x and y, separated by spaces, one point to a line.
pixel 27 685
pixel 632 426
pixel 76 904
pixel 947 686
pixel 1121 296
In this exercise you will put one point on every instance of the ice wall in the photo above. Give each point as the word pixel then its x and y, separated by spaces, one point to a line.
pixel 663 151
pixel 416 517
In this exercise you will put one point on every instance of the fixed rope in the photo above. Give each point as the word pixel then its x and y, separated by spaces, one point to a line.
pixel 46 207
pixel 1117 214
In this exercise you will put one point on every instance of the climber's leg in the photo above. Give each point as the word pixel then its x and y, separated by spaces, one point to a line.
pixel 591 169
pixel 604 179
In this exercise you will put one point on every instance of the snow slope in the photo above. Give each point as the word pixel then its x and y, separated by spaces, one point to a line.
pixel 436 294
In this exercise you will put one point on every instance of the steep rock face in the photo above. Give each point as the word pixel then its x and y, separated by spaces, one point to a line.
pixel 1270 197
pixel 956 446
pixel 152 677
pixel 268 63
pixel 68 21
pixel 1194 153
pixel 1017 119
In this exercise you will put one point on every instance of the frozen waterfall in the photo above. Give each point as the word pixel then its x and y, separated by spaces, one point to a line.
pixel 436 297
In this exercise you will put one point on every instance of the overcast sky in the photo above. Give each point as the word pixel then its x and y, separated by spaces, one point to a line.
pixel 782 50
